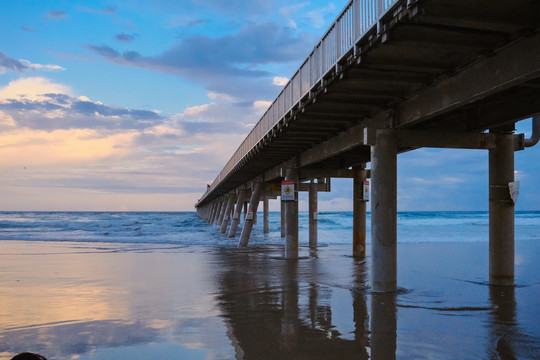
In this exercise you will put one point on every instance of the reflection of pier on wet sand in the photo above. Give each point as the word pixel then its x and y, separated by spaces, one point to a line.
pixel 107 302
pixel 281 309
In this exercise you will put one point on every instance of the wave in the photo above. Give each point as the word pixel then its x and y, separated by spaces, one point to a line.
pixel 186 228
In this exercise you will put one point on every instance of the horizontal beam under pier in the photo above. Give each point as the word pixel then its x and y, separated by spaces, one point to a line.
pixel 515 64
pixel 444 139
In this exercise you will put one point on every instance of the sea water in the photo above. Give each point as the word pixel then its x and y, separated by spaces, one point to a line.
pixel 148 285
pixel 185 228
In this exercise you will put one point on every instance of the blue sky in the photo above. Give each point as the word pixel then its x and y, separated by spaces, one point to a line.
pixel 136 105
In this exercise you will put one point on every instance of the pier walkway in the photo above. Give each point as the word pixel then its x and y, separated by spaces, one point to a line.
pixel 388 77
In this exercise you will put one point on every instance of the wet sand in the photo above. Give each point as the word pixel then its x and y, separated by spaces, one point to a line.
pixel 118 301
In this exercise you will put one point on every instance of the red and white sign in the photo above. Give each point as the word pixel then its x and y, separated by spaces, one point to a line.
pixel 365 196
pixel 287 190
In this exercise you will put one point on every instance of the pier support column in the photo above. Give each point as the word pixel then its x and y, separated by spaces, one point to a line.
pixel 252 209
pixel 228 210
pixel 312 215
pixel 384 211
pixel 266 223
pixel 222 210
pixel 291 219
pixel 501 212
pixel 282 214
pixel 359 213
pixel 237 213
pixel 213 212
pixel 218 211
pixel 255 218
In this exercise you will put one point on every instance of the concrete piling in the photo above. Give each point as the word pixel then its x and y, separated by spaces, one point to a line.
pixel 228 210
pixel 501 212
pixel 266 223
pixel 213 212
pixel 282 214
pixel 384 211
pixel 291 219
pixel 252 209
pixel 359 213
pixel 237 212
pixel 312 208
pixel 223 210
pixel 218 211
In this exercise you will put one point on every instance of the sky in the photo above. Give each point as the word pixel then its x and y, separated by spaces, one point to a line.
pixel 134 105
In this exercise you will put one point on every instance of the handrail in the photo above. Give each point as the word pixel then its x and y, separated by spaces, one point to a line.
pixel 351 24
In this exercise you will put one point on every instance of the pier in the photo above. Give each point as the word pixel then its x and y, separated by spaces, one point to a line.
pixel 389 77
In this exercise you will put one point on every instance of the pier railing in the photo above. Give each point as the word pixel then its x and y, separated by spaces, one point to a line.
pixel 354 21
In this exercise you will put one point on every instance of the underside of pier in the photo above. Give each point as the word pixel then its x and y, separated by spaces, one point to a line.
pixel 427 73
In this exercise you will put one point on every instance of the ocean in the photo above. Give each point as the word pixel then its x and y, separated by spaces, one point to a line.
pixel 185 228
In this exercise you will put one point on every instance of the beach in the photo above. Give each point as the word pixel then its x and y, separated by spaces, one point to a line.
pixel 88 300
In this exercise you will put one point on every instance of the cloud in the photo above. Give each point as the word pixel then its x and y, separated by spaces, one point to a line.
pixel 235 7
pixel 80 145
pixel 48 67
pixel 74 56
pixel 261 106
pixel 125 38
pixel 212 118
pixel 32 88
pixel 196 111
pixel 335 204
pixel 221 96
pixel 441 181
pixel 280 81
pixel 106 10
pixel 56 14
pixel 9 64
pixel 39 104
pixel 27 29
pixel 24 147
pixel 229 64
pixel 288 11
pixel 186 22
pixel 322 17
pixel 109 10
